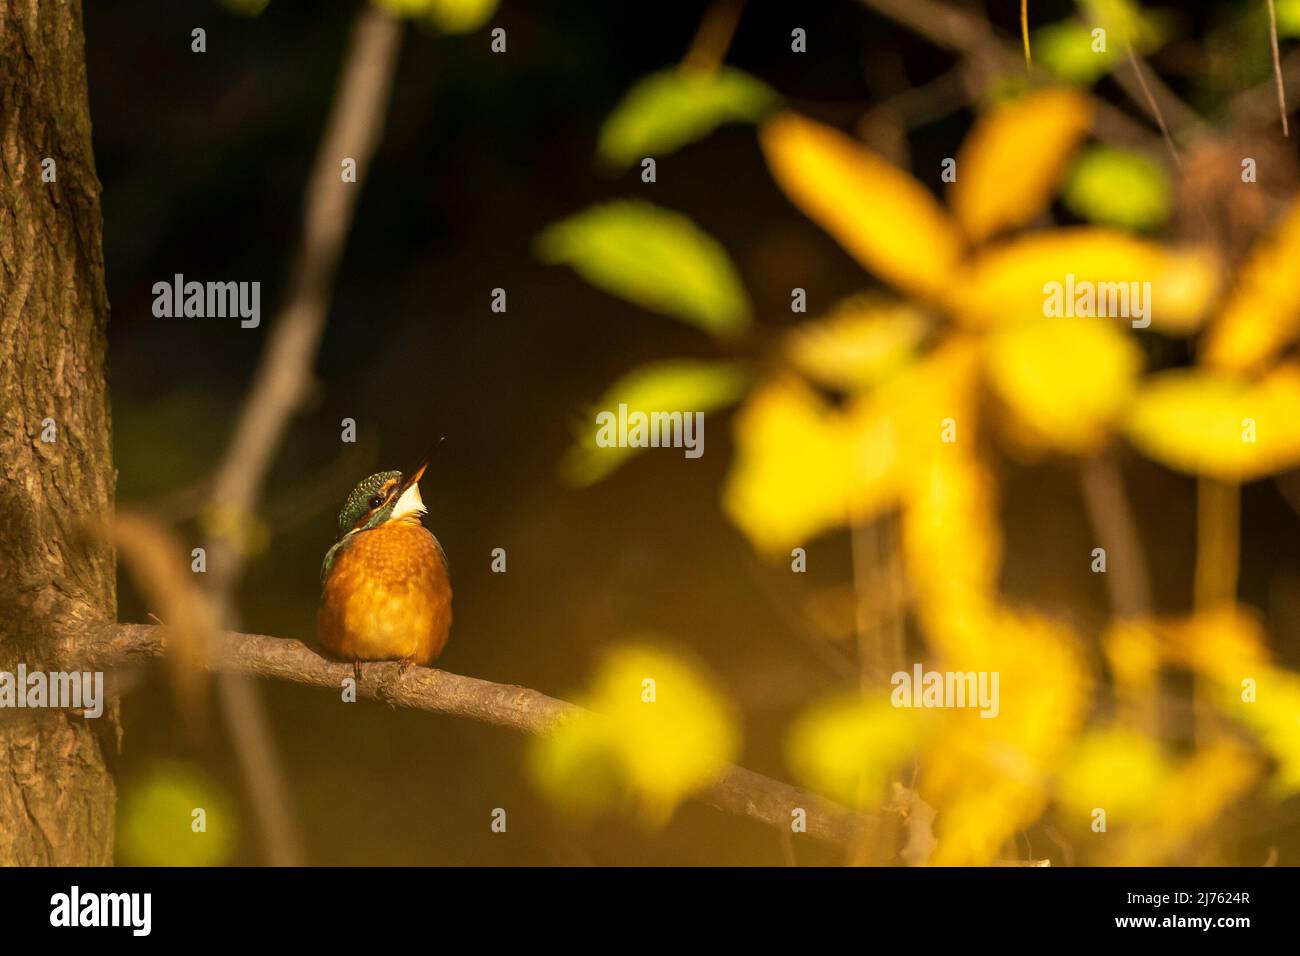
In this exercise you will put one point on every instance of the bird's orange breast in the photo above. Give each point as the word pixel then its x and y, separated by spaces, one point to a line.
pixel 387 597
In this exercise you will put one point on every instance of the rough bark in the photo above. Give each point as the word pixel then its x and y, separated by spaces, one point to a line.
pixel 56 795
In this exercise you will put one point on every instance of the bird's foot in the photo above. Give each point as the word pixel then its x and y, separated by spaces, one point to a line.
pixel 356 672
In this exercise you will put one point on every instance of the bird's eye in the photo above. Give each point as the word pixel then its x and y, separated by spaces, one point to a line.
pixel 376 501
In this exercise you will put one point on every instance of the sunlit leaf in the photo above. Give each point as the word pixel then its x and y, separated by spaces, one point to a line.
pixel 952 544
pixel 803 467
pixel 1193 797
pixel 848 748
pixel 1115 769
pixel 460 16
pixel 1228 646
pixel 654 257
pixel 864 339
pixel 1126 22
pixel 1011 162
pixel 1066 49
pixel 1118 187
pixel 669 109
pixel 659 730
pixel 158 825
pixel 988 776
pixel 1262 313
pixel 679 386
pixel 1011 281
pixel 1288 18
pixel 1209 423
pixel 882 216
pixel 1065 381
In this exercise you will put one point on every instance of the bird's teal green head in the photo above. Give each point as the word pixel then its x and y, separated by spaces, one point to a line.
pixel 370 499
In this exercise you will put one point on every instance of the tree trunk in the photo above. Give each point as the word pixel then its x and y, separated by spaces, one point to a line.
pixel 56 795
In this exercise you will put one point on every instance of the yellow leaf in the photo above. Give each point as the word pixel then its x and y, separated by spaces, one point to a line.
pixel 848 748
pixel 1012 161
pixel 1210 423
pixel 155 821
pixel 952 544
pixel 1065 381
pixel 1030 276
pixel 1192 799
pixel 1262 313
pixel 802 467
pixel 1115 769
pixel 659 730
pixel 882 216
pixel 863 340
pixel 988 777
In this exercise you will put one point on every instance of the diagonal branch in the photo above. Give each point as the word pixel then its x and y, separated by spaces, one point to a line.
pixel 738 791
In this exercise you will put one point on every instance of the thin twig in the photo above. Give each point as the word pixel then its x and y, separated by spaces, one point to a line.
pixel 1277 67
pixel 1151 101
pixel 1112 520
pixel 1024 31
pixel 283 375
pixel 738 791
pixel 713 37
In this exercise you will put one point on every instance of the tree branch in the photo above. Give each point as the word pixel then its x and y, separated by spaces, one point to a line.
pixel 738 791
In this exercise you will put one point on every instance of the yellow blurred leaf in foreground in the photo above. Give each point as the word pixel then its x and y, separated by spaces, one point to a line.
pixel 1113 769
pixel 848 748
pixel 988 777
pixel 802 467
pixel 1263 312
pixel 1210 423
pixel 659 730
pixel 882 216
pixel 158 824
pixel 1191 800
pixel 1015 280
pixel 1065 381
pixel 1013 159
pixel 864 339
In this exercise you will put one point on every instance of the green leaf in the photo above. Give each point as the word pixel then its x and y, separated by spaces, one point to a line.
pixel 1288 18
pixel 669 109
pixel 674 385
pixel 654 257
pixel 1117 187
pixel 1065 48
pixel 460 16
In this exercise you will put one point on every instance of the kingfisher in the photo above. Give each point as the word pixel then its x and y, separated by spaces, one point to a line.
pixel 385 585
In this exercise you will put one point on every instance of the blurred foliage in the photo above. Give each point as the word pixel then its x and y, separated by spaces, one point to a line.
pixel 893 406
pixel 448 16
pixel 1118 187
pixel 1066 49
pixel 156 819
pixel 654 257
pixel 658 730
pixel 1033 135
pixel 669 109
pixel 674 384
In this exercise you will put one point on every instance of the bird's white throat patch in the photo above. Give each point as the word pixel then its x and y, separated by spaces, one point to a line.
pixel 409 507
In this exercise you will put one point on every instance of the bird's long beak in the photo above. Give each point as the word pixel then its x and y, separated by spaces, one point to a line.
pixel 414 478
